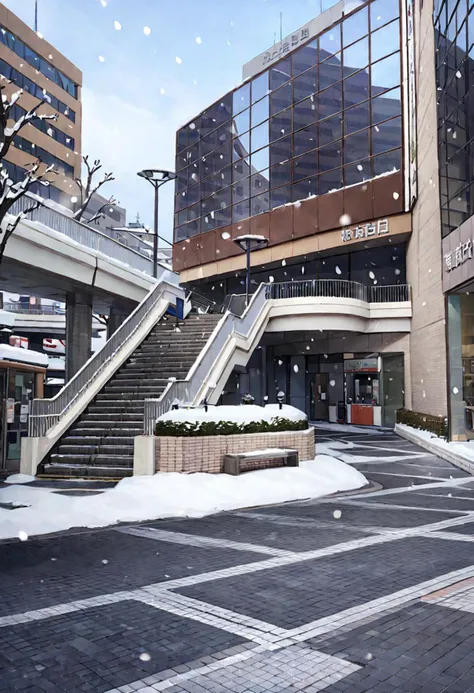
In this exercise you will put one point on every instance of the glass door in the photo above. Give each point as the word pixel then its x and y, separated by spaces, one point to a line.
pixel 319 397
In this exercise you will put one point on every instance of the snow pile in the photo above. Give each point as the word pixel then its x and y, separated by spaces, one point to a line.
pixel 464 449
pixel 245 413
pixel 167 495
pixel 19 479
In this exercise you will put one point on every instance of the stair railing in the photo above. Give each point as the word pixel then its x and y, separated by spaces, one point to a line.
pixel 185 391
pixel 45 413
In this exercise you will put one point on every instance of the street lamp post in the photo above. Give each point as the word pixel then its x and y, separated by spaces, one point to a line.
pixel 248 243
pixel 157 178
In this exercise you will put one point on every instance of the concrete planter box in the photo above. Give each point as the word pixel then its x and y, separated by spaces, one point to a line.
pixel 206 453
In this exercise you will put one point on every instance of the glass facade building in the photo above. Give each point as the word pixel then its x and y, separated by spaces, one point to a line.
pixel 326 116
pixel 454 37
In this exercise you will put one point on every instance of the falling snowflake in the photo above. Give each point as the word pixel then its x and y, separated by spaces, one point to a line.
pixel 458 74
pixel 337 514
pixel 360 167
pixel 371 275
pixel 145 657
pixel 397 272
pixel 39 34
pixel 297 203
pixel 101 58
pixel 332 383
pixel 117 25
pixel 146 30
pixel 198 40
pixel 326 356
pixel 455 390
pixel 338 270
pixel 178 60
pixel 280 363
pixel 104 561
pixel 50 56
pixel 369 656
pixel 103 3
pixel 308 348
pixel 22 536
pixel 74 199
pixel 162 91
pixel 396 195
pixel 271 279
pixel 345 220
pixel 283 263
pixel 295 368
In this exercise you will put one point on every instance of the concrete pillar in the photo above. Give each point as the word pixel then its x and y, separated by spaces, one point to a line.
pixel 78 331
pixel 116 317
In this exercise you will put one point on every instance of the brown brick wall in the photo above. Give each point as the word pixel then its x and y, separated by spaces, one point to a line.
pixel 206 453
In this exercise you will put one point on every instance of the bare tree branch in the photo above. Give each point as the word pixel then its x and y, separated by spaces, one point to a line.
pixel 89 189
pixel 111 202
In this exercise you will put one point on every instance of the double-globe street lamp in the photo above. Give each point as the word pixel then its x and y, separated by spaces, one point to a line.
pixel 157 178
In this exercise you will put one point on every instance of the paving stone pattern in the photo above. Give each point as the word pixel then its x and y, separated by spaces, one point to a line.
pixel 267 600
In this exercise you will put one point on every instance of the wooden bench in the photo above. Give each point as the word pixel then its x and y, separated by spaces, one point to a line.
pixel 261 459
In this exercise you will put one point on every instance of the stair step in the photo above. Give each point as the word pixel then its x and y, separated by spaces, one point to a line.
pixel 97 441
pixel 95 460
pixel 111 416
pixel 129 407
pixel 117 395
pixel 119 425
pixel 95 450
pixel 84 470
pixel 106 432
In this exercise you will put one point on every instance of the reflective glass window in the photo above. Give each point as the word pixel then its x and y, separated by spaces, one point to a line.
pixel 193 175
pixel 330 130
pixel 355 27
pixel 356 146
pixel 305 165
pixel 356 56
pixel 281 98
pixel 388 162
pixel 259 137
pixel 194 212
pixel 208 187
pixel 330 72
pixel 241 122
pixel 259 204
pixel 241 99
pixel 386 106
pixel 305 57
pixel 305 85
pixel 386 74
pixel 280 174
pixel 357 173
pixel 387 135
pixel 241 146
pixel 385 41
pixel 181 180
pixel 241 211
pixel 306 139
pixel 32 58
pixel 330 156
pixel 329 42
pixel 383 11
pixel 223 109
pixel 182 160
pixel 305 112
pixel 280 150
pixel 193 195
pixel 260 87
pixel 305 188
pixel 356 88
pixel 259 182
pixel 260 111
pixel 260 160
pixel 357 118
pixel 330 181
pixel 223 217
pixel 280 73
pixel 181 139
pixel 241 190
pixel 224 177
pixel 281 124
pixel 280 196
pixel 330 101
pixel 224 133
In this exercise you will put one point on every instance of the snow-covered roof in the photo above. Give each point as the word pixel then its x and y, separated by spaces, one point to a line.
pixel 19 355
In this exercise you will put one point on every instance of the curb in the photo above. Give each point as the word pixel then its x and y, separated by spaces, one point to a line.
pixel 448 455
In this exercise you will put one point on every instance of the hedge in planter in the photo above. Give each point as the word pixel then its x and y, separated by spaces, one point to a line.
pixel 227 428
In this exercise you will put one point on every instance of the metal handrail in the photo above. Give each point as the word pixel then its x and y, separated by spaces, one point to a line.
pixel 185 391
pixel 328 288
pixel 45 413
pixel 390 294
pixel 83 234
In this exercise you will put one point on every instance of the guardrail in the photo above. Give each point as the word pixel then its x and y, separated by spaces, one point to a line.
pixel 339 288
pixel 45 413
pixel 184 391
pixel 32 310
pixel 397 293
pixel 84 235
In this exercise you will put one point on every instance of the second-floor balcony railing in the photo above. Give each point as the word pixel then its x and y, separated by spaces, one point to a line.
pixel 339 288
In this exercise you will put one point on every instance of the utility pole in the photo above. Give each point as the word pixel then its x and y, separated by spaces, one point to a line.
pixel 36 15
pixel 281 26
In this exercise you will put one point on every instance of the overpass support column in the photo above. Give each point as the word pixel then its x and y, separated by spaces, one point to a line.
pixel 78 331
pixel 116 317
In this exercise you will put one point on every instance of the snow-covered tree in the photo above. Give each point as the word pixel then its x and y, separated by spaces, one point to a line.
pixel 88 188
pixel 10 192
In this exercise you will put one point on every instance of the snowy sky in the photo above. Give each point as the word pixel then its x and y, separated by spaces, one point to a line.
pixel 134 101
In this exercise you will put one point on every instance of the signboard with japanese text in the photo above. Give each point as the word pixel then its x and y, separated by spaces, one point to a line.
pixel 281 49
pixel 458 256
pixel 370 230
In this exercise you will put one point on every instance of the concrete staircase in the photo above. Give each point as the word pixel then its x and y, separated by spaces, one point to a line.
pixel 100 442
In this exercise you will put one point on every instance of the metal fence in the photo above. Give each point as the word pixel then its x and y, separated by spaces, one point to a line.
pixel 397 293
pixel 45 413
pixel 330 288
pixel 84 235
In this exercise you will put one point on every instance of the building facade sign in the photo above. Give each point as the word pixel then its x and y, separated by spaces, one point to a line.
pixel 284 47
pixel 458 256
pixel 374 228
pixel 370 365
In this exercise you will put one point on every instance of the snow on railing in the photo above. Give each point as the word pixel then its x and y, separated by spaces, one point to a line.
pixel 84 235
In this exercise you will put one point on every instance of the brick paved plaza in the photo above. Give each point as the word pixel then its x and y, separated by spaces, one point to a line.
pixel 277 599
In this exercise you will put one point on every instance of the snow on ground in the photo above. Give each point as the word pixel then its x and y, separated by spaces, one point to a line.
pixel 172 495
pixel 19 479
pixel 244 413
pixel 464 449
pixel 348 428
